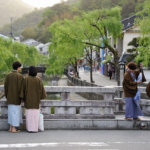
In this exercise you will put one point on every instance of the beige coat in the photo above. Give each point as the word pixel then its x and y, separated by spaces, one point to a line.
pixel 33 92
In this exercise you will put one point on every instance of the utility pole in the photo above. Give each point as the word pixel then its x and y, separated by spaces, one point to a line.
pixel 11 27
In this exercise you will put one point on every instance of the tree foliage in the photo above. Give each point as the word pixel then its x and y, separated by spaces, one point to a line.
pixel 143 21
pixel 71 37
pixel 12 51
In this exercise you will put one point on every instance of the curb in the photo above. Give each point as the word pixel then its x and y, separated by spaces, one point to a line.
pixel 87 124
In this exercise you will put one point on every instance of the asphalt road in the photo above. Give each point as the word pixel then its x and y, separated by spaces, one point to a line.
pixel 76 140
pixel 147 74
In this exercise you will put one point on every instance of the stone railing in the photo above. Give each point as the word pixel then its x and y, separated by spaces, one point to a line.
pixel 82 109
pixel 78 109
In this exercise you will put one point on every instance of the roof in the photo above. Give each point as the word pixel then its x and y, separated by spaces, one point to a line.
pixel 3 36
pixel 124 57
pixel 31 42
pixel 128 22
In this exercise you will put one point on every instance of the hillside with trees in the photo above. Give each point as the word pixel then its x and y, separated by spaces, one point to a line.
pixel 12 8
pixel 27 24
pixel 35 25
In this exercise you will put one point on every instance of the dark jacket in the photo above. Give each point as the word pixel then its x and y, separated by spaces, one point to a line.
pixel 12 87
pixel 129 85
pixel 33 92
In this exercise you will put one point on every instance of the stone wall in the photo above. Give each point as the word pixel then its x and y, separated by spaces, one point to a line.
pixel 72 81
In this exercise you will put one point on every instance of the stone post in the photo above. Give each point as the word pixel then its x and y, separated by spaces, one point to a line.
pixel 65 96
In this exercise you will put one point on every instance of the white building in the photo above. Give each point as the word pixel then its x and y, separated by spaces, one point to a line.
pixel 130 31
pixel 31 42
pixel 43 48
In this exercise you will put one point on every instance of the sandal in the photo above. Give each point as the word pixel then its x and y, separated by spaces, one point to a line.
pixel 15 131
pixel 137 119
pixel 129 119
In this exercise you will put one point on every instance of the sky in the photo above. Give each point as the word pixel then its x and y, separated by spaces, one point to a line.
pixel 42 3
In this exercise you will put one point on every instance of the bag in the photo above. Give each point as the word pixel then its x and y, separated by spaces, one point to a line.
pixel 41 122
pixel 148 89
pixel 137 96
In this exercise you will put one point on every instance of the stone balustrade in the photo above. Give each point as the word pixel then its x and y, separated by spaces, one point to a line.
pixel 67 109
pixel 82 109
pixel 83 114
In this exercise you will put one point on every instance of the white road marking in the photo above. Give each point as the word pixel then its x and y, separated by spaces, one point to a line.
pixel 128 142
pixel 103 149
pixel 89 143
pixel 28 145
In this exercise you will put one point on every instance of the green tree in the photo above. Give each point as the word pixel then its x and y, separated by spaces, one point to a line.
pixel 11 51
pixel 143 21
pixel 71 37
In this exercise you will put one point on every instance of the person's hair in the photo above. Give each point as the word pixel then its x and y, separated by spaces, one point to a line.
pixel 16 65
pixel 32 71
pixel 132 66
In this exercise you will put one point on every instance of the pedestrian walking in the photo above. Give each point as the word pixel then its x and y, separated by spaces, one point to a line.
pixel 33 92
pixel 110 74
pixel 131 92
pixel 12 87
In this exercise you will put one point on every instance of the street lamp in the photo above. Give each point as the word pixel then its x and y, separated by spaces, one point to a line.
pixel 122 70
pixel 122 65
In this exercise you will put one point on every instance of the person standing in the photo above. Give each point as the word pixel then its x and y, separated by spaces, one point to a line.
pixel 110 73
pixel 130 87
pixel 12 87
pixel 33 92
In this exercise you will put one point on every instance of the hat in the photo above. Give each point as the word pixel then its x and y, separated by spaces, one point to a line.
pixel 132 66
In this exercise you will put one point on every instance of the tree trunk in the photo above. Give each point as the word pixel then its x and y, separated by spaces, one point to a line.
pixel 91 67
pixel 76 69
pixel 117 69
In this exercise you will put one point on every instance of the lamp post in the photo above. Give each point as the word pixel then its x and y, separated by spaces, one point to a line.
pixel 122 70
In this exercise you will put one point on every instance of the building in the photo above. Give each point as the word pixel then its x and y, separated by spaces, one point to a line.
pixel 31 42
pixel 3 36
pixel 43 48
pixel 130 31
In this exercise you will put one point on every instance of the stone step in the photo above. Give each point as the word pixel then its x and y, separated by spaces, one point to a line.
pixel 90 124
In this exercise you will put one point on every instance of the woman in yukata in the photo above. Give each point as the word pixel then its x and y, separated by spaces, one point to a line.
pixel 33 92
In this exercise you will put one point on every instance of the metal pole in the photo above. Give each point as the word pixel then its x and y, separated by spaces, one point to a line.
pixel 11 27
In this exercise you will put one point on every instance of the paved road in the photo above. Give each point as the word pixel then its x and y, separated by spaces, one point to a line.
pixel 104 80
pixel 76 140
pixel 147 74
pixel 98 78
